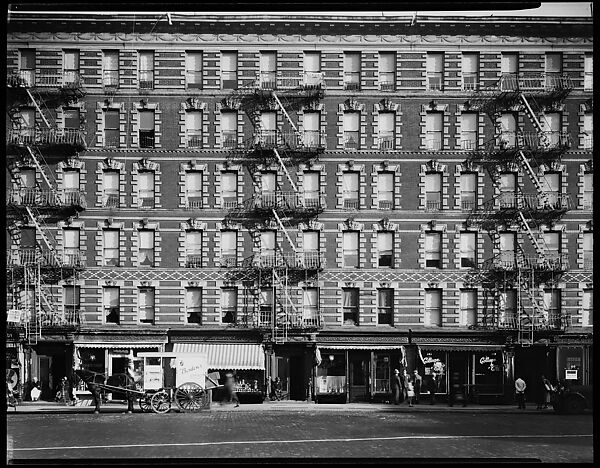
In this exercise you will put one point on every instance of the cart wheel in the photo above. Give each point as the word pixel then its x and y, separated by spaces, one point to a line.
pixel 191 397
pixel 145 404
pixel 160 402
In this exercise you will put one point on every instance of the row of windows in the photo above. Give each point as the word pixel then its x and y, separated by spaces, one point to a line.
pixel 310 306
pixel 312 190
pixel 270 78
pixel 311 253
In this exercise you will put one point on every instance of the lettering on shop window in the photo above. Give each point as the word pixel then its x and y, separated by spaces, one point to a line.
pixel 491 361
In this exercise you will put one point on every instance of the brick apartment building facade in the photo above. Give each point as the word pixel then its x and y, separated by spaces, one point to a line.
pixel 177 154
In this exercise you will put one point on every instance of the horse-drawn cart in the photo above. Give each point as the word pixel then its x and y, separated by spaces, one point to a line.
pixel 157 380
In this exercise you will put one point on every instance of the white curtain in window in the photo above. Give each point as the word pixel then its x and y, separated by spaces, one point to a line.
pixel 507 241
pixel 71 60
pixel 268 182
pixel 71 180
pixel 229 121
pixel 146 120
pixel 111 181
pixel 350 241
pixel 310 182
pixel 351 121
pixel 553 62
pixel 193 298
pixel 310 241
pixel 266 296
pixel 552 241
pixel 228 242
pixel 27 178
pixel 146 304
pixel 147 60
pixel 28 117
pixel 507 182
pixel 229 298
pixel 193 182
pixel 433 123
pixel 467 244
pixel 193 121
pixel 387 62
pixel 470 62
pixel 350 183
pixel 386 122
pixel 312 121
pixel 508 123
pixel 435 62
pixel 110 60
pixel 111 239
pixel 229 182
pixel 267 241
pixel 312 62
pixel 71 238
pixel 193 61
pixel 509 63
pixel 385 243
pixel 508 300
pixel 433 299
pixel 111 297
pixel 468 122
pixel 146 182
pixel 193 241
pixel 349 298
pixel 146 239
pixel 433 242
pixel 433 182
pixel 268 61
pixel 468 182
pixel 268 121
pixel 351 61
pixel 468 299
pixel 229 61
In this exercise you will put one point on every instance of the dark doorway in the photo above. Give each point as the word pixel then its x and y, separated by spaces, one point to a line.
pixel 360 369
pixel 119 366
pixel 531 362
pixel 297 378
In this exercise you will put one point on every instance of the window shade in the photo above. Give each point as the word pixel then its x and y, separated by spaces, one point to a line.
pixel 385 242
pixel 268 61
pixel 111 239
pixel 588 123
pixel 27 178
pixel 350 298
pixel 193 239
pixel 229 182
pixel 552 241
pixel 433 242
pixel 147 61
pixel 588 241
pixel 468 182
pixel 433 123
pixel 468 122
pixel 111 297
pixel 433 299
pixel 508 63
pixel 385 297
pixel 229 61
pixel 193 297
pixel 387 62
pixel 146 120
pixel 588 182
pixel 27 59
pixel 71 238
pixel 386 122
pixel 71 295
pixel 507 241
pixel 310 297
pixel 146 298
pixel 433 182
pixel 146 181
pixel 146 239
pixel 71 60
pixel 310 241
pixel 111 119
pixel 229 298
pixel 508 300
pixel 312 61
pixel 470 63
pixel 468 299
pixel 110 60
pixel 507 182
pixel 553 62
pixel 111 181
pixel 228 241
pixel 385 182
pixel 193 181
pixel 193 61
pixel 268 181
pixel 467 243
pixel 267 240
pixel 551 122
pixel 350 182
pixel 28 116
pixel 266 296
pixel 551 181
pixel 351 122
pixel 311 181
pixel 435 62
pixel 193 120
pixel 312 121
pixel 508 122
pixel 229 121
pixel 71 179
pixel 352 61
pixel 350 240
pixel 268 121
pixel 588 63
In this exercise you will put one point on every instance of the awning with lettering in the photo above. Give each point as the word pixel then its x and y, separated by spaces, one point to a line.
pixel 460 347
pixel 240 356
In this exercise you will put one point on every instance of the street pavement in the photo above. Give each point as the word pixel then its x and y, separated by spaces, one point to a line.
pixel 298 430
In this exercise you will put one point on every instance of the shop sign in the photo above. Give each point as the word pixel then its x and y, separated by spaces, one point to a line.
pixel 490 363
pixel 570 374
pixel 190 368
pixel 14 315
pixel 152 377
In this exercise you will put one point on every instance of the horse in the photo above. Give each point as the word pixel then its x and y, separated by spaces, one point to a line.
pixel 94 381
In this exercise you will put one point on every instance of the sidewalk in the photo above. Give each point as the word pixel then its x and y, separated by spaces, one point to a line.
pixel 29 407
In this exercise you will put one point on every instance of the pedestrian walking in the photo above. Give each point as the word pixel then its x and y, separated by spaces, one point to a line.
pixel 520 387
pixel 434 386
pixel 404 378
pixel 230 388
pixel 396 386
pixel 418 382
pixel 410 390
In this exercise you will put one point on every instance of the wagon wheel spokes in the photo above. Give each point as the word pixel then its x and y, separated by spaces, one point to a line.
pixel 145 404
pixel 190 396
pixel 160 402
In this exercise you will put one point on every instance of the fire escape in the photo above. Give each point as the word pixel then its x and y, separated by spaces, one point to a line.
pixel 270 276
pixel 35 202
pixel 523 269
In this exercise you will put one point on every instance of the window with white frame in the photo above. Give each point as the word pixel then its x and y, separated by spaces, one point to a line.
pixel 146 248
pixel 587 319
pixel 588 69
pixel 229 298
pixel 468 190
pixel 268 70
pixel 146 69
pixel 385 190
pixel 110 247
pixel 508 306
pixel 267 248
pixel 588 250
pixel 193 189
pixel 468 131
pixel 310 306
pixel 312 189
pixel 350 249
pixel 268 128
pixel 434 131
pixel 468 250
pixel 507 185
pixel 551 184
pixel 387 71
pixel 385 306
pixel 351 130
pixel 111 128
pixel 110 187
pixel 193 69
pixel 146 305
pixel 468 307
pixel 350 306
pixel 435 70
pixel 588 130
pixel 553 69
pixel 433 191
pixel 70 183
pixel 386 133
pixel 588 191
pixel 146 189
pixel 193 249
pixel 71 247
pixel 470 71
pixel 71 302
pixel 433 250
pixel 228 129
pixel 146 131
pixel 385 249
pixel 508 249
pixel 111 302
pixel 552 299
pixel 265 304
pixel 27 66
pixel 229 189
pixel 508 130
pixel 193 305
pixel 350 190
pixel 352 70
pixel 70 67
pixel 229 66
pixel 310 247
pixel 228 248
pixel 110 68
pixel 312 69
pixel 193 128
pixel 433 307
pixel 312 129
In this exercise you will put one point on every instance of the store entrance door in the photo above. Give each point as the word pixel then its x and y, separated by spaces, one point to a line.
pixel 297 388
pixel 360 370
pixel 119 366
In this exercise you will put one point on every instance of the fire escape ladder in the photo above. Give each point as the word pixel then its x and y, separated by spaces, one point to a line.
pixel 37 106
pixel 44 234
pixel 540 251
pixel 536 182
pixel 286 172
pixel 531 108
pixel 285 113
pixel 285 231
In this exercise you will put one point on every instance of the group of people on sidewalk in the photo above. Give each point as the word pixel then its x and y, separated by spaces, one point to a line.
pixel 406 387
pixel 542 392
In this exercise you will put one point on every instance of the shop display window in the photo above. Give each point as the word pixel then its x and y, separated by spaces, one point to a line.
pixel 382 374
pixel 488 372
pixel 434 372
pixel 331 374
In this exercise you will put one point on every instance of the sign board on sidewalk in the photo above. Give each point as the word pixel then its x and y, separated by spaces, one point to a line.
pixel 570 374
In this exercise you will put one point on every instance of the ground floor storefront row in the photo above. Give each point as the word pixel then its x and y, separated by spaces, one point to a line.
pixel 323 367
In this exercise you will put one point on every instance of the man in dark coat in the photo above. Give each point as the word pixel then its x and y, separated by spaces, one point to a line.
pixel 396 386
pixel 417 380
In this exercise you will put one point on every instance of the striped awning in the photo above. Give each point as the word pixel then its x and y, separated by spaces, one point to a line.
pixel 460 347
pixel 227 356
pixel 364 347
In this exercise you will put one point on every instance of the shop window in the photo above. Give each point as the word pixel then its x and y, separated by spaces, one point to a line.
pixel 331 374
pixel 435 70
pixel 351 130
pixel 110 68
pixel 92 359
pixel 146 131
pixel 146 69
pixel 387 71
pixel 268 70
pixel 229 67
pixel 27 66
pixel 468 131
pixel 111 301
pixel 71 247
pixel 489 377
pixel 588 250
pixel 434 129
pixel 229 298
pixel 146 305
pixel 382 374
pixel 470 71
pixel 508 130
pixel 385 190
pixel 193 249
pixel 146 248
pixel 508 190
pixel 433 307
pixel 386 127
pixel 468 250
pixel 193 69
pixel 146 189
pixel 111 128
pixel 468 307
pixel 350 192
pixel 193 305
pixel 312 189
pixel 110 244
pixel 468 191
pixel 350 306
pixel 229 184
pixel 350 249
pixel 385 306
pixel 193 128
pixel 385 249
pixel 228 129
pixel 193 190
pixel 434 371
pixel 228 248
pixel 587 319
pixel 433 250
pixel 352 71
pixel 588 68
pixel 310 306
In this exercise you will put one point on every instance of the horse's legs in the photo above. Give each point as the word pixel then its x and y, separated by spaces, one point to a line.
pixel 130 403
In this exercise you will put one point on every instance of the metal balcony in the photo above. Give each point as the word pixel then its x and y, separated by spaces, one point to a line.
pixel 434 81
pixel 433 144
pixel 300 80
pixel 229 139
pixel 33 256
pixel 194 140
pixel 350 203
pixel 146 139
pixel 386 205
pixel 228 261
pixel 351 140
pixel 470 82
pixel 45 198
pixel 193 260
pixel 194 203
pixel 433 205
pixel 295 261
pixel 110 78
pixel 539 322
pixel 352 81
pixel 111 200
pixel 146 79
pixel 588 142
pixel 46 138
pixel 386 141
pixel 510 260
pixel 73 258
